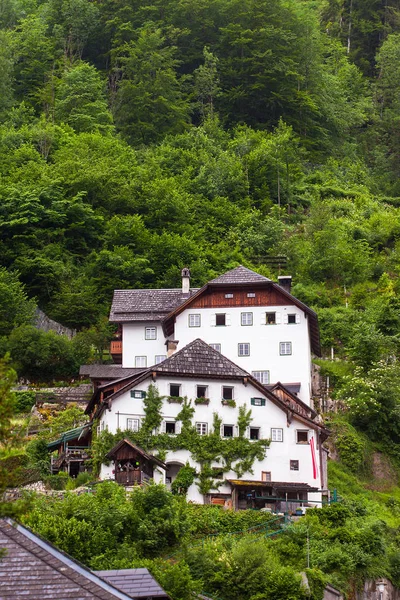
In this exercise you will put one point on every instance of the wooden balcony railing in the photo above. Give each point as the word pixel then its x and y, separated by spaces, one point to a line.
pixel 116 347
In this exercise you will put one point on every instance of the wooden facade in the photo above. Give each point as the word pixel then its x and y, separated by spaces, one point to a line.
pixel 132 465
pixel 265 296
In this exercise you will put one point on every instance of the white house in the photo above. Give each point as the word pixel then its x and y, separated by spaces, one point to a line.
pixel 290 472
pixel 251 320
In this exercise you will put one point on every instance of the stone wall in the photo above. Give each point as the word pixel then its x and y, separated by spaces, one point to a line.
pixel 43 322
pixel 371 591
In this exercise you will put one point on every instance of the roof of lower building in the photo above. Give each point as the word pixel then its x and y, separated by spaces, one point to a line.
pixel 198 358
pixel 137 583
pixel 279 485
pixel 125 442
pixel 67 436
pixel 33 569
pixel 111 372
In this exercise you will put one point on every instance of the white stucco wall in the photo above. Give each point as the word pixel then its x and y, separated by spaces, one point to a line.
pixel 278 455
pixel 264 342
pixel 135 344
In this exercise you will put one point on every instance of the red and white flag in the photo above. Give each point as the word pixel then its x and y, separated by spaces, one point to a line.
pixel 314 458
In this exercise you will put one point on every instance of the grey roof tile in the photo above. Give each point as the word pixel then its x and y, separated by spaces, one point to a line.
pixel 33 569
pixel 138 583
pixel 198 358
pixel 240 275
pixel 145 305
pixel 107 371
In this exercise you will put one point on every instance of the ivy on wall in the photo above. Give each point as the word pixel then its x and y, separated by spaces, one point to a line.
pixel 230 454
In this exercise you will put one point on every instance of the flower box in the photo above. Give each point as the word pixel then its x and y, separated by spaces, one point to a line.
pixel 202 401
pixel 231 403
pixel 174 400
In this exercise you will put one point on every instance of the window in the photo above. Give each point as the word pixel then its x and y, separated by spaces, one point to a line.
pixel 174 390
pixel 246 318
pixel 285 348
pixel 251 295
pixel 291 319
pixel 170 427
pixel 270 318
pixel 202 428
pixel 227 393
pixel 201 391
pixel 276 435
pixel 220 319
pixel 302 436
pixel 257 401
pixel 138 394
pixel 294 465
pixel 266 476
pixel 216 347
pixel 140 361
pixel 243 349
pixel 227 431
pixel 254 433
pixel 261 376
pixel 228 295
pixel 150 333
pixel 132 424
pixel 159 358
pixel 194 320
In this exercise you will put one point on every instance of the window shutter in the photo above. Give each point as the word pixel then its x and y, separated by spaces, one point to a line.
pixel 278 318
pixel 178 427
pixel 247 432
pixel 227 320
pixel 235 431
pixel 297 318
pixel 221 431
pixel 212 320
pixel 285 318
pixel 263 318
pixel 163 426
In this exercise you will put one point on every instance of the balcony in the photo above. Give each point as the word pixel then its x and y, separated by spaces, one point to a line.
pixel 116 351
pixel 129 478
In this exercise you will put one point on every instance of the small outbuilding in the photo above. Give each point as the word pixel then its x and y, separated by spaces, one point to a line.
pixel 132 465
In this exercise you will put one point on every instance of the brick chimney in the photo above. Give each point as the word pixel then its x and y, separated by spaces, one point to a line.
pixel 285 282
pixel 185 280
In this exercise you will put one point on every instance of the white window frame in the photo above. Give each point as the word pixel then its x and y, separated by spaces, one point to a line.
pixel 170 421
pixel 231 387
pixel 150 333
pixel 285 348
pixel 202 428
pixel 140 359
pixel 276 434
pixel 246 319
pixel 159 358
pixel 203 386
pixel 244 349
pixel 132 419
pixel 307 431
pixel 223 431
pixel 251 294
pixel 259 433
pixel 194 320
pixel 292 461
pixel 261 376
pixel 214 347
pixel 180 388
pixel 289 315
pixel 228 295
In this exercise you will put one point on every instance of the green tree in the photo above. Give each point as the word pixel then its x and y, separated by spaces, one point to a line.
pixel 15 307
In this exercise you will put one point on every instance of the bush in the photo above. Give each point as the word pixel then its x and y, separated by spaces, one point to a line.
pixel 24 401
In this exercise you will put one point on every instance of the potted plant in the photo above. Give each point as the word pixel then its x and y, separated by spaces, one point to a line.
pixel 174 399
pixel 202 401
pixel 231 403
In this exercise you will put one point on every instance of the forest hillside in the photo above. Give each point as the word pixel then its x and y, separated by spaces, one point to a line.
pixel 138 137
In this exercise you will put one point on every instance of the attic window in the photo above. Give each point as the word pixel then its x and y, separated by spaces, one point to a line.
pixel 228 295
pixel 251 295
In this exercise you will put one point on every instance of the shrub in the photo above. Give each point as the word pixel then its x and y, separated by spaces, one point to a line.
pixel 24 401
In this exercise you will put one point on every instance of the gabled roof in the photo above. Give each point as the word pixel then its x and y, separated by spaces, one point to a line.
pixel 137 583
pixel 239 275
pixel 145 305
pixel 125 442
pixel 107 371
pixel 67 436
pixel 198 358
pixel 33 569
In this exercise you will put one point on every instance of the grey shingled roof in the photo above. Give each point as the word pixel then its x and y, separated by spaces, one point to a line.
pixel 145 305
pixel 107 371
pixel 240 275
pixel 33 569
pixel 198 358
pixel 138 583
